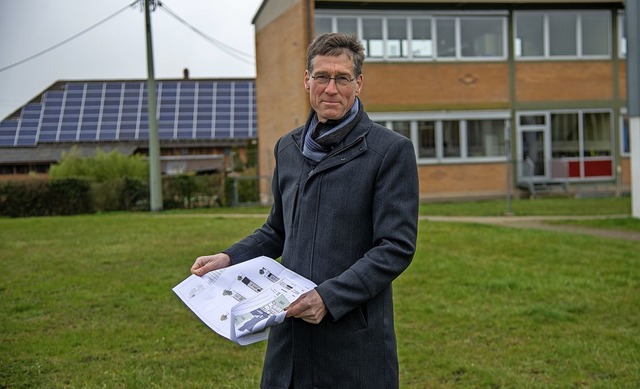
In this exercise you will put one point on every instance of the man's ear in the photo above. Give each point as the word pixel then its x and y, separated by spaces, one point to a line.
pixel 307 76
pixel 359 82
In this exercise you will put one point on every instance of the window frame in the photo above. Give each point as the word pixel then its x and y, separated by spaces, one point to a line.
pixel 622 35
pixel 433 18
pixel 625 137
pixel 581 159
pixel 387 119
pixel 579 49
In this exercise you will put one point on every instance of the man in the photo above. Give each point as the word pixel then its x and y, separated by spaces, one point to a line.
pixel 345 216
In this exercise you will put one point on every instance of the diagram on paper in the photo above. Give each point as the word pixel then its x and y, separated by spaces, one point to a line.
pixel 242 301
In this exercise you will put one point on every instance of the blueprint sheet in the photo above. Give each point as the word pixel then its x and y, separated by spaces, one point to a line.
pixel 242 301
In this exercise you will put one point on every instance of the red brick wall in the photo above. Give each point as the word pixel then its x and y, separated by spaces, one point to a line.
pixel 560 80
pixel 429 86
pixel 486 179
pixel 282 103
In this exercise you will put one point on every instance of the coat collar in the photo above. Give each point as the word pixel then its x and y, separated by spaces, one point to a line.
pixel 359 131
pixel 354 144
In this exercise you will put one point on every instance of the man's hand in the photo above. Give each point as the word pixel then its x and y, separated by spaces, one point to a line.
pixel 308 307
pixel 207 263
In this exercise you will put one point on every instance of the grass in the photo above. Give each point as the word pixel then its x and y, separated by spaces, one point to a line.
pixel 623 224
pixel 557 206
pixel 552 206
pixel 86 302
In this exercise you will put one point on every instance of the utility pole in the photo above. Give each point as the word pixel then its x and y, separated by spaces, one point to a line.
pixel 632 12
pixel 155 180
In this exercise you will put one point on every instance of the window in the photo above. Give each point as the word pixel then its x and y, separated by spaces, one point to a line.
pixel 446 35
pixel 397 40
pixel 595 33
pixel 563 34
pixel 481 37
pixel 421 37
pixel 402 127
pixel 426 139
pixel 372 37
pixel 348 26
pixel 485 138
pixel 452 137
pixel 581 142
pixel 421 41
pixel 597 134
pixel 622 36
pixel 567 130
pixel 624 135
pixel 565 141
pixel 530 35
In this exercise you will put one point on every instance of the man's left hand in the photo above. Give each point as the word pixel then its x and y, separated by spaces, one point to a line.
pixel 308 307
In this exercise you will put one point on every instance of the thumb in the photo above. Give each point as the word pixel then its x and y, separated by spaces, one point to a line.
pixel 199 270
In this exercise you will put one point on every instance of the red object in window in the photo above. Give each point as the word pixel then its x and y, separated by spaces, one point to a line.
pixel 592 168
pixel 598 168
pixel 574 169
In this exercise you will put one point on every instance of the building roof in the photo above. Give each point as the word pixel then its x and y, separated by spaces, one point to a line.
pixel 116 111
pixel 53 153
pixel 572 2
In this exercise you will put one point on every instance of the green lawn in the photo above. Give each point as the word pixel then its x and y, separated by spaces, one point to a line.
pixel 623 224
pixel 557 206
pixel 86 302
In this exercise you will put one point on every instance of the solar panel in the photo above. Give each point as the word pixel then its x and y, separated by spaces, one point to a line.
pixel 117 111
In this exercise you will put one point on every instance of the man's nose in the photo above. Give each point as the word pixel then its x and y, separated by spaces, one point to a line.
pixel 332 86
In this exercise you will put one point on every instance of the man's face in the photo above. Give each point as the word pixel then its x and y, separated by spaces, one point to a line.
pixel 334 99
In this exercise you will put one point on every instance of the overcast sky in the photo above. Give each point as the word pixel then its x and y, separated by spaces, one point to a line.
pixel 116 48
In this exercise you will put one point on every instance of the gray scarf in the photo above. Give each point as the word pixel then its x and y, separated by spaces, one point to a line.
pixel 321 138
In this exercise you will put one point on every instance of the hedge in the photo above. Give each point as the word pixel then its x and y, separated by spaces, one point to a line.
pixel 42 197
pixel 45 198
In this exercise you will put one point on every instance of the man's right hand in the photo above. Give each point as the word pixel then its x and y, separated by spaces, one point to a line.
pixel 208 263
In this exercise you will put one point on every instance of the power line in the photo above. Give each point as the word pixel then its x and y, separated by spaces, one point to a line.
pixel 238 54
pixel 68 39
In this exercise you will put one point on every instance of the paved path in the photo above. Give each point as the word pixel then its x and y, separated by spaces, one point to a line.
pixel 542 222
pixel 539 222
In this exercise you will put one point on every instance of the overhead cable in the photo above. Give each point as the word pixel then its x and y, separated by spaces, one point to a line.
pixel 238 54
pixel 68 39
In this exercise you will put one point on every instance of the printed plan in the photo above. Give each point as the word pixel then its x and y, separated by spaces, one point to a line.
pixel 242 301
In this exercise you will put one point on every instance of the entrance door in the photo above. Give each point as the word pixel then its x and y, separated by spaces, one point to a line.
pixel 533 158
pixel 534 147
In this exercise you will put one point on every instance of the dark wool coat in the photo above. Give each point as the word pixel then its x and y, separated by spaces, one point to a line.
pixel 349 224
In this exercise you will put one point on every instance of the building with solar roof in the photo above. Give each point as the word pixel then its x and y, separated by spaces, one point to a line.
pixel 200 123
pixel 497 97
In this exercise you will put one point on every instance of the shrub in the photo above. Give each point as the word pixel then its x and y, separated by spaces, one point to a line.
pixel 189 191
pixel 45 198
pixel 119 182
pixel 100 168
pixel 241 189
pixel 69 197
pixel 121 194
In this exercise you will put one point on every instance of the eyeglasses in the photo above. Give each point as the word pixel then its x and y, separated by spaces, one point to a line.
pixel 340 80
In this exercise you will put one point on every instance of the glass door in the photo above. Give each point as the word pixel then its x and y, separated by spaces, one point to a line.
pixel 533 148
pixel 532 160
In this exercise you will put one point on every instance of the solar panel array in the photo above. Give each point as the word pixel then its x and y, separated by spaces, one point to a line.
pixel 117 111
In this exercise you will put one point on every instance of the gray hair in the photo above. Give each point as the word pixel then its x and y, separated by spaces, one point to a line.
pixel 334 44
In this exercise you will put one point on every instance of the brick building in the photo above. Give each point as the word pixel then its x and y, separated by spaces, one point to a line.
pixel 496 96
